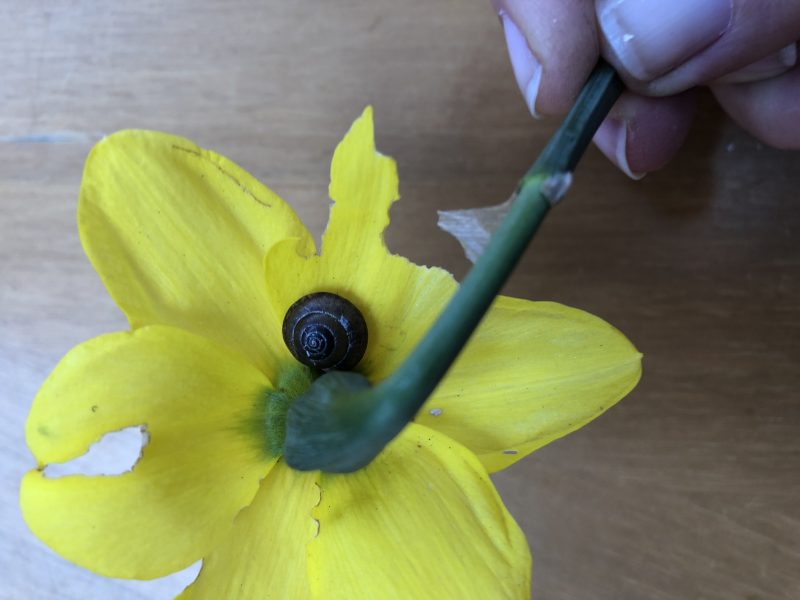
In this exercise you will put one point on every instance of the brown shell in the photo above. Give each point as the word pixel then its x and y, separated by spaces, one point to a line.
pixel 325 331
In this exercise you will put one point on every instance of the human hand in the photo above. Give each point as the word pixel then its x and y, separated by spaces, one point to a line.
pixel 744 50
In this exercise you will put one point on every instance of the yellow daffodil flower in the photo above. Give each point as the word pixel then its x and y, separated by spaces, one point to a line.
pixel 205 261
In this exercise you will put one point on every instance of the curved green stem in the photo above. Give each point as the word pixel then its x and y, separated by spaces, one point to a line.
pixel 340 425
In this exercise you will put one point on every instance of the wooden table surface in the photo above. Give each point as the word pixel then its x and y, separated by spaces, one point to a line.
pixel 688 489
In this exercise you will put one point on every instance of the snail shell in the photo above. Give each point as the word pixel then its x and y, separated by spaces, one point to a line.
pixel 325 331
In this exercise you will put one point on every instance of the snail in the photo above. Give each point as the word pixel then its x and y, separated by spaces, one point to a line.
pixel 325 331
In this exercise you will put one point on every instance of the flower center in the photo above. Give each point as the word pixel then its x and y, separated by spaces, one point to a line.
pixel 325 331
pixel 275 403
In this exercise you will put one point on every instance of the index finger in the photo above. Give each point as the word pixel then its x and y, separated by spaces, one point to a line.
pixel 553 47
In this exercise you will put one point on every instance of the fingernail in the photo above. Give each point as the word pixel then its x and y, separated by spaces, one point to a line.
pixel 770 66
pixel 652 37
pixel 527 70
pixel 788 56
pixel 612 139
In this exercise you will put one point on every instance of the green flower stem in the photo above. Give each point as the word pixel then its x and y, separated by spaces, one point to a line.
pixel 340 425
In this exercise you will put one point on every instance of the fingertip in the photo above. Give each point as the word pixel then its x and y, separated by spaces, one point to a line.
pixel 643 134
pixel 662 48
pixel 768 109
pixel 647 39
pixel 770 66
pixel 527 68
pixel 553 47
pixel 612 140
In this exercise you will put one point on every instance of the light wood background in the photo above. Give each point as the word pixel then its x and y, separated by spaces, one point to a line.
pixel 689 489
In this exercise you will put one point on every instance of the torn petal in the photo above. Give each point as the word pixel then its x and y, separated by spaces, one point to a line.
pixel 422 520
pixel 265 554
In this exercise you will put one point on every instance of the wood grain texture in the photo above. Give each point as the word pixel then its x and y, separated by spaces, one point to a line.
pixel 689 489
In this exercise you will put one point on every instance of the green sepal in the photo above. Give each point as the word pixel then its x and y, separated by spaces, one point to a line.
pixel 322 435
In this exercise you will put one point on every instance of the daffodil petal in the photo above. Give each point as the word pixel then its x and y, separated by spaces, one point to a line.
pixel 363 186
pixel 423 520
pixel 533 372
pixel 399 299
pixel 178 234
pixel 264 555
pixel 199 402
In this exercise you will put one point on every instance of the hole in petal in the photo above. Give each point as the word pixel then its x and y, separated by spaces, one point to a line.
pixel 115 453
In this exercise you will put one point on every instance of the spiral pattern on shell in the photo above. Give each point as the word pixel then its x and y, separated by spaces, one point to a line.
pixel 325 331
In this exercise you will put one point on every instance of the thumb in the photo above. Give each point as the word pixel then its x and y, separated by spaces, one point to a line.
pixel 662 48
